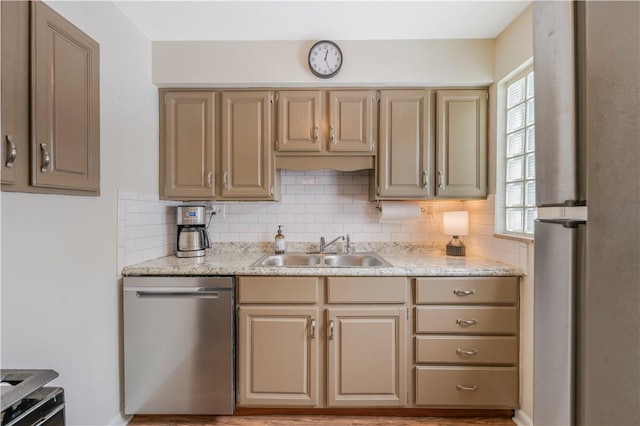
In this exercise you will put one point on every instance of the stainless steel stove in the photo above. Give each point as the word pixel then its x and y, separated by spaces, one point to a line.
pixel 25 401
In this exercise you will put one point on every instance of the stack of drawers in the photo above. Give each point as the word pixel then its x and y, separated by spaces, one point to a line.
pixel 466 344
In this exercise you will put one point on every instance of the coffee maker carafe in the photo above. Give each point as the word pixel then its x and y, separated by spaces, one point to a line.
pixel 192 238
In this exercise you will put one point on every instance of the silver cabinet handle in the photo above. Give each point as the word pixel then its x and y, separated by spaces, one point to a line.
pixel 46 158
pixel 225 180
pixel 332 135
pixel 11 150
pixel 466 323
pixel 313 328
pixel 441 179
pixel 330 329
pixel 271 191
pixel 209 179
pixel 463 293
pixel 316 134
pixel 425 179
pixel 467 388
pixel 466 352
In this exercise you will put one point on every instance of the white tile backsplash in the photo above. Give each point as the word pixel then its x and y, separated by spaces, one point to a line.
pixel 313 204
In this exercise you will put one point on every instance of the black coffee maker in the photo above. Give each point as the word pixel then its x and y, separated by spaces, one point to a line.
pixel 192 238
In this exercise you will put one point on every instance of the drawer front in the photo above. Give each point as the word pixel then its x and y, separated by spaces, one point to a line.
pixel 279 290
pixel 467 350
pixel 456 290
pixel 495 387
pixel 466 320
pixel 367 290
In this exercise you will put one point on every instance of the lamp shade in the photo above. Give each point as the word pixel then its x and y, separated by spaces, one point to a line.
pixel 455 223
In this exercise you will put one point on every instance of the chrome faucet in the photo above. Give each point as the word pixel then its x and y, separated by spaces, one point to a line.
pixel 324 246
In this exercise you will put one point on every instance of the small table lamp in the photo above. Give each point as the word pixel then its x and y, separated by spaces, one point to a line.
pixel 455 224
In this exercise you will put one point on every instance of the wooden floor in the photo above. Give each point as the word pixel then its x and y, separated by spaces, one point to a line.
pixel 280 420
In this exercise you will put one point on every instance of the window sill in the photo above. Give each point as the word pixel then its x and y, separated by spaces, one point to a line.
pixel 512 237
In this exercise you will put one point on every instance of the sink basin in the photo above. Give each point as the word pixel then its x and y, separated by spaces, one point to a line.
pixel 296 260
pixel 304 260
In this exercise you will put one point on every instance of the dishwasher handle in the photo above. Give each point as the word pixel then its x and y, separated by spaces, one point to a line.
pixel 175 292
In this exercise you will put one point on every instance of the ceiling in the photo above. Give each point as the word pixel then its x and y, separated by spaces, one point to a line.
pixel 315 20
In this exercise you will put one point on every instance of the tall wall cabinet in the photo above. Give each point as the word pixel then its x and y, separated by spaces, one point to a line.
pixel 50 103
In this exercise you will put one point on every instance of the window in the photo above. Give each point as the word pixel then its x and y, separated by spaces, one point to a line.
pixel 516 185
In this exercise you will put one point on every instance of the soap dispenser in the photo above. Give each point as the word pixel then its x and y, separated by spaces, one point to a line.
pixel 279 241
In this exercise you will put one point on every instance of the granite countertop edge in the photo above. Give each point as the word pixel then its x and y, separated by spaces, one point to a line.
pixel 421 264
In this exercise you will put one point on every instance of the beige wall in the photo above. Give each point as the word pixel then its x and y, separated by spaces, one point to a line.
pixel 514 47
pixel 284 63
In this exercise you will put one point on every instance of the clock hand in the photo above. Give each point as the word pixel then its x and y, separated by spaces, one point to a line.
pixel 325 55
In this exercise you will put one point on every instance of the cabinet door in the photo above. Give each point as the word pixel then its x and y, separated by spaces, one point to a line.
pixel 350 121
pixel 15 93
pixel 278 356
pixel 65 145
pixel 462 143
pixel 247 163
pixel 406 144
pixel 186 142
pixel 367 363
pixel 299 121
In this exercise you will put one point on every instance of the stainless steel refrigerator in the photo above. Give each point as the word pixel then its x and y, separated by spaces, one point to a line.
pixel 587 279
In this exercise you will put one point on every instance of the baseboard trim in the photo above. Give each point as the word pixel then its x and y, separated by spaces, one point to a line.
pixel 522 419
pixel 394 412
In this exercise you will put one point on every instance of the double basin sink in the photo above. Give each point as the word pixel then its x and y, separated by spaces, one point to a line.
pixel 323 260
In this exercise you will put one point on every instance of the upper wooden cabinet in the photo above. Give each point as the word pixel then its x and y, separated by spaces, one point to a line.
pixel 246 163
pixel 64 147
pixel 299 121
pixel 405 154
pixel 187 145
pixel 15 93
pixel 461 143
pixel 318 121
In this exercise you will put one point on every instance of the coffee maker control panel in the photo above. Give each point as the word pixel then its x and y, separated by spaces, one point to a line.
pixel 190 215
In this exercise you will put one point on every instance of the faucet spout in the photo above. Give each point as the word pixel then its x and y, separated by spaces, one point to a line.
pixel 324 246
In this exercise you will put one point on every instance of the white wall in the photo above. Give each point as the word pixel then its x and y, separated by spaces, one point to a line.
pixel 284 63
pixel 60 290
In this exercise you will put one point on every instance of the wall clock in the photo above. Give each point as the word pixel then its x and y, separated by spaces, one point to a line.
pixel 325 59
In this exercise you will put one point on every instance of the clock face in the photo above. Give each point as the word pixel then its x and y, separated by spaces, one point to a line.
pixel 325 59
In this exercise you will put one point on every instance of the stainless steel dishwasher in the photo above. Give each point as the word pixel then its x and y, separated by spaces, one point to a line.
pixel 179 345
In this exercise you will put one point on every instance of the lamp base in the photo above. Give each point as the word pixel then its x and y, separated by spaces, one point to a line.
pixel 455 247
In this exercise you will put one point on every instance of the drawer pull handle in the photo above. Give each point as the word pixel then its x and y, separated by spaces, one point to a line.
pixel 466 323
pixel 467 388
pixel 459 292
pixel 466 352
pixel 313 328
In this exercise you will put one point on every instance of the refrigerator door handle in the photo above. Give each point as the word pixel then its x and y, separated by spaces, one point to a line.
pixel 567 223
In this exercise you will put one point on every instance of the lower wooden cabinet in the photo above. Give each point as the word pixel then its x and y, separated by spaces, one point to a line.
pixel 366 357
pixel 466 342
pixel 278 356
pixel 296 350
pixel 344 342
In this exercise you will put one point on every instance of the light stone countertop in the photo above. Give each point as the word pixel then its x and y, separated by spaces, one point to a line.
pixel 406 262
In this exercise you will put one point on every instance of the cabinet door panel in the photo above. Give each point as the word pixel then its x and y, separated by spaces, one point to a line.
pixel 355 377
pixel 277 356
pixel 299 121
pixel 406 144
pixel 66 140
pixel 247 163
pixel 350 119
pixel 187 154
pixel 462 143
